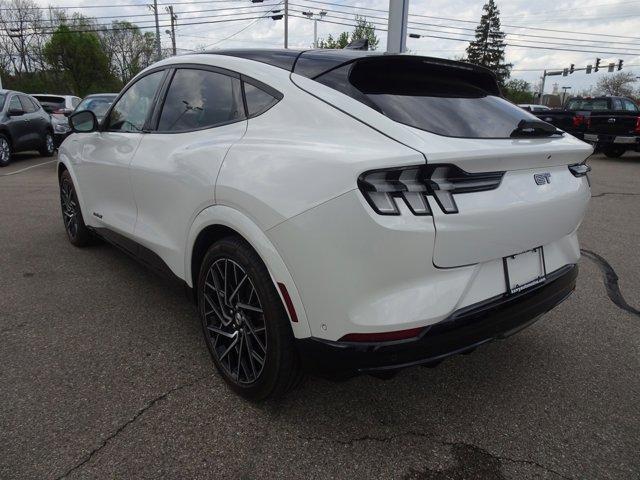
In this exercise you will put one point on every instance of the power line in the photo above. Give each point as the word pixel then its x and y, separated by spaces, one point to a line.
pixel 563 41
pixel 83 7
pixel 241 30
pixel 567 32
pixel 556 44
pixel 89 30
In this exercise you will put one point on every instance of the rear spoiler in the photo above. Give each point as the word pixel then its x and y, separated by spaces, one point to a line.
pixel 313 64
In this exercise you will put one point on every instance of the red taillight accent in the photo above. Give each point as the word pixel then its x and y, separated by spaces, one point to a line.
pixel 637 129
pixel 578 120
pixel 288 303
pixel 60 111
pixel 382 336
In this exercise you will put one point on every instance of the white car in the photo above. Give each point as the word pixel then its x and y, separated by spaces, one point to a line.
pixel 59 107
pixel 339 212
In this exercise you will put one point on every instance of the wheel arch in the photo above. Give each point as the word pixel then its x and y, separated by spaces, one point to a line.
pixel 218 221
pixel 5 131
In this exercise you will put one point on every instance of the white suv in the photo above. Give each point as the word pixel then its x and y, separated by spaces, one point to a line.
pixel 339 212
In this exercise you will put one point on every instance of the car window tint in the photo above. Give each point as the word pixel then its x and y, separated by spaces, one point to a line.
pixel 14 103
pixel 617 104
pixel 130 113
pixel 199 99
pixel 27 106
pixel 630 106
pixel 258 101
pixel 75 101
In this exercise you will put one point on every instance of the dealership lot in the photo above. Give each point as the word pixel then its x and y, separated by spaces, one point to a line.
pixel 104 373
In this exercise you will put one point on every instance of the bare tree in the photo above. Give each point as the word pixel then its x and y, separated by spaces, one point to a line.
pixel 620 83
pixel 128 49
pixel 21 27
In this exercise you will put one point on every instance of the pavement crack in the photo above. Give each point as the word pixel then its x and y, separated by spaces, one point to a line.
pixel 611 282
pixel 434 439
pixel 122 427
pixel 615 193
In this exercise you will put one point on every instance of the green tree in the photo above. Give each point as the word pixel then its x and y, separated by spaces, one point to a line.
pixel 363 29
pixel 488 47
pixel 518 91
pixel 80 57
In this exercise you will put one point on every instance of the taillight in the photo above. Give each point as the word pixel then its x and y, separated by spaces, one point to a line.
pixel 413 185
pixel 578 120
pixel 579 169
pixel 637 127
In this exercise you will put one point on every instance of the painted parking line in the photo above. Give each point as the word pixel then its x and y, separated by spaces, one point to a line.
pixel 26 168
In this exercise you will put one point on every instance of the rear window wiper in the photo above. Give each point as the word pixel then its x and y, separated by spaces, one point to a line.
pixel 535 128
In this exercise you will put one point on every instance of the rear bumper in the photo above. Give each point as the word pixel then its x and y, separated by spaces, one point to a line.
pixel 462 331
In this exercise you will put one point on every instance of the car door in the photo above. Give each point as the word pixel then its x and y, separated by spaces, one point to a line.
pixel 103 168
pixel 17 124
pixel 34 129
pixel 174 170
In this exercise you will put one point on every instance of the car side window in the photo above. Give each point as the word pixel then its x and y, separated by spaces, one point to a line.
pixel 258 101
pixel 617 104
pixel 27 106
pixel 630 106
pixel 130 112
pixel 14 103
pixel 201 99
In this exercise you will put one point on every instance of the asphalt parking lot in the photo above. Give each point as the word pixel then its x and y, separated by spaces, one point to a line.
pixel 104 374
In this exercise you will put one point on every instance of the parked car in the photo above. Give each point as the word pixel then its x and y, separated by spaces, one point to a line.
pixel 533 108
pixel 615 132
pixel 576 112
pixel 24 126
pixel 324 217
pixel 98 103
pixel 59 107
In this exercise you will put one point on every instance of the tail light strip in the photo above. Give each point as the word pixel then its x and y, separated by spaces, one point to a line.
pixel 382 188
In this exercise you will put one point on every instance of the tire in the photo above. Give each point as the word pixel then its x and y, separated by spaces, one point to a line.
pixel 6 152
pixel 49 146
pixel 238 327
pixel 614 152
pixel 77 232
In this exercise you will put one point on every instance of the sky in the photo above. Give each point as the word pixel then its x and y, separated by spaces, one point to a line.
pixel 572 22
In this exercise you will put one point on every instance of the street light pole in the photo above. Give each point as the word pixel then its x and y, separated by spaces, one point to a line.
pixel 310 15
pixel 286 23
pixel 172 32
pixel 154 7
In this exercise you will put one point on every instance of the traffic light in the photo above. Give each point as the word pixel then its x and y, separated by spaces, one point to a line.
pixel 588 69
pixel 597 67
pixel 571 68
pixel 565 72
pixel 611 67
pixel 619 64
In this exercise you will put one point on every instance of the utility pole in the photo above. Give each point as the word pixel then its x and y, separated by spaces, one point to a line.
pixel 564 94
pixel 172 32
pixel 154 8
pixel 286 23
pixel 397 26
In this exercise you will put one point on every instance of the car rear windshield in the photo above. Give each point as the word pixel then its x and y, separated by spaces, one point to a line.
pixel 588 104
pixel 50 103
pixel 443 99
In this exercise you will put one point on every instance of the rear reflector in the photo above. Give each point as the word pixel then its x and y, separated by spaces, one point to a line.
pixel 288 303
pixel 382 336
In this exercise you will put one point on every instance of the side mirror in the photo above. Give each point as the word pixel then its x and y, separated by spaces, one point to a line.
pixel 83 122
pixel 15 112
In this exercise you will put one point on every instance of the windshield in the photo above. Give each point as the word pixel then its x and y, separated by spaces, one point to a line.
pixel 588 104
pixel 98 105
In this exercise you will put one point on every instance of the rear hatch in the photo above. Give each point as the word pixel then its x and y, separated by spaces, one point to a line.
pixel 614 123
pixel 454 114
pixel 53 104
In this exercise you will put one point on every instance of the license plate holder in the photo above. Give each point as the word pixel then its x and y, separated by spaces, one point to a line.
pixel 524 270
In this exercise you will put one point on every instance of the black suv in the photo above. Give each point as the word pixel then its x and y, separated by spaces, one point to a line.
pixel 24 125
